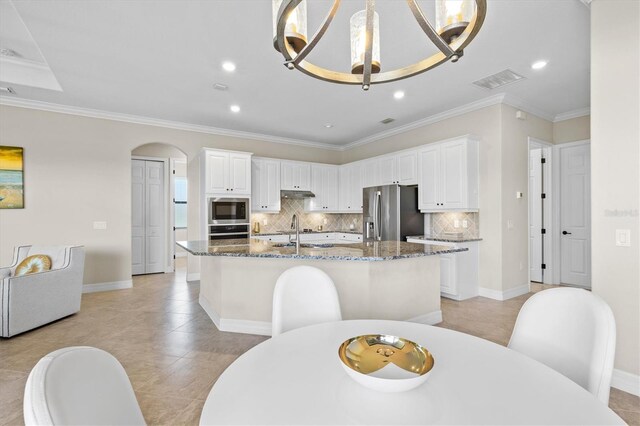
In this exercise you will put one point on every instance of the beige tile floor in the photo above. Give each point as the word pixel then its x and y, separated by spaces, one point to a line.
pixel 173 353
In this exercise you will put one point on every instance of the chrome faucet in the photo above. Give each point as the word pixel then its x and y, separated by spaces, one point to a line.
pixel 295 225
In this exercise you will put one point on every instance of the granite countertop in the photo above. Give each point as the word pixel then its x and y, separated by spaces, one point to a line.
pixel 370 251
pixel 445 238
pixel 264 234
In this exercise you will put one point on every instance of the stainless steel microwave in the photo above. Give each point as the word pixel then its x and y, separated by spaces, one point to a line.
pixel 228 210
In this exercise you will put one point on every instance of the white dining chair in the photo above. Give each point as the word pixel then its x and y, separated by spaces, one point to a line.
pixel 572 331
pixel 80 386
pixel 303 296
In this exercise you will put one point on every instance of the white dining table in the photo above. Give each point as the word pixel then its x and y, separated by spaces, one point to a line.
pixel 296 378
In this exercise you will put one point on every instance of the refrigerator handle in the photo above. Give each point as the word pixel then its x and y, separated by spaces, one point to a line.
pixel 377 216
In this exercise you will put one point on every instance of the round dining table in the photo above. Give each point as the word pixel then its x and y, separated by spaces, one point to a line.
pixel 296 378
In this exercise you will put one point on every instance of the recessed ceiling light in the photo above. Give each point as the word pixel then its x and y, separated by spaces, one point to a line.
pixel 220 86
pixel 399 94
pixel 234 108
pixel 538 65
pixel 228 66
pixel 328 125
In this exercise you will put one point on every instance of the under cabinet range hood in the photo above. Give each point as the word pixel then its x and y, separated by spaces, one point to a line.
pixel 296 195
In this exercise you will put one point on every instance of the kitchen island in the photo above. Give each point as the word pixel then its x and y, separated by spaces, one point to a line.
pixel 391 280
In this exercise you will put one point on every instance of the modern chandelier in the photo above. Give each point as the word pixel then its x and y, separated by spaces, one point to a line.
pixel 457 23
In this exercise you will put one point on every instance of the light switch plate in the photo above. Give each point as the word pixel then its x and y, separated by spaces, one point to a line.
pixel 623 237
pixel 465 223
pixel 509 224
pixel 100 225
pixel 456 223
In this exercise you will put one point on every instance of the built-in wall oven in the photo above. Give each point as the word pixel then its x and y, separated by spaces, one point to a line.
pixel 228 218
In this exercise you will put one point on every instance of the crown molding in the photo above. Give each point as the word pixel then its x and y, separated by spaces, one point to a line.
pixel 500 98
pixel 135 119
pixel 572 114
pixel 522 105
pixel 454 112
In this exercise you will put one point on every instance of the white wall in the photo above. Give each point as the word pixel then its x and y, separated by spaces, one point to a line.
pixel 615 165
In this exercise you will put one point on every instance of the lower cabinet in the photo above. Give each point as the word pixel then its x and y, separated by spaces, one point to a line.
pixel 458 271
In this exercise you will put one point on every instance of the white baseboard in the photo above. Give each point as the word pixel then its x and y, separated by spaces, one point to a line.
pixel 195 276
pixel 432 318
pixel 262 328
pixel 627 382
pixel 114 285
pixel 503 295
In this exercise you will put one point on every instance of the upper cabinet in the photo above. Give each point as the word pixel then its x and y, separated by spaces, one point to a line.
pixel 295 176
pixel 399 168
pixel 351 182
pixel 448 176
pixel 324 184
pixel 265 176
pixel 227 172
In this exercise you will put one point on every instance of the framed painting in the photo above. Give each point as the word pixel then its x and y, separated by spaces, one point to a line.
pixel 11 178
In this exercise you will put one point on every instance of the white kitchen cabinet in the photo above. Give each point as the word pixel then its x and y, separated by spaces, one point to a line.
pixel 324 184
pixel 265 186
pixel 371 172
pixel 458 271
pixel 398 168
pixel 448 176
pixel 350 188
pixel 276 238
pixel 227 172
pixel 295 176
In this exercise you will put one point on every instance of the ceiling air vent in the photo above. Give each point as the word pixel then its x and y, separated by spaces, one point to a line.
pixel 388 120
pixel 498 80
pixel 220 86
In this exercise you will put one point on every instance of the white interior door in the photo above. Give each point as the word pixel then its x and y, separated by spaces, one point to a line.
pixel 535 214
pixel 148 211
pixel 155 211
pixel 137 216
pixel 575 215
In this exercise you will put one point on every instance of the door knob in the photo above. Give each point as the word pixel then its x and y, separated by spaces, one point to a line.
pixel 566 233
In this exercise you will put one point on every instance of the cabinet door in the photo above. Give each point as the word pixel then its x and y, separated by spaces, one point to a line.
pixel 448 274
pixel 303 177
pixel 217 172
pixel 355 188
pixel 286 176
pixel 240 173
pixel 344 191
pixel 407 168
pixel 317 187
pixel 257 201
pixel 388 170
pixel 265 187
pixel 371 173
pixel 429 178
pixel 331 189
pixel 271 185
pixel 453 175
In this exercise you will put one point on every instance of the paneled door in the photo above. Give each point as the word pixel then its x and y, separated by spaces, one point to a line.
pixel 575 215
pixel 535 215
pixel 148 211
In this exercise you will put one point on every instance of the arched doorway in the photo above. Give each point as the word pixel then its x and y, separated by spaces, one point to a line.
pixel 158 208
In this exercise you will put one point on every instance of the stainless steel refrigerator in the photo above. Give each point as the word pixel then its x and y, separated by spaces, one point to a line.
pixel 391 213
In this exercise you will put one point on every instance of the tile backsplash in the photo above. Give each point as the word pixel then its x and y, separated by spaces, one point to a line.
pixel 276 222
pixel 439 223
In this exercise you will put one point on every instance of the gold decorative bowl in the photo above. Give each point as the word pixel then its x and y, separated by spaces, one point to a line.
pixel 385 363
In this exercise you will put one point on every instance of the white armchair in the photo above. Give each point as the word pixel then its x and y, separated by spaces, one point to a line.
pixel 32 300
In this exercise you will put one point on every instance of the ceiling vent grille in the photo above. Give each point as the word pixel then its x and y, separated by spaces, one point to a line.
pixel 388 120
pixel 498 80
